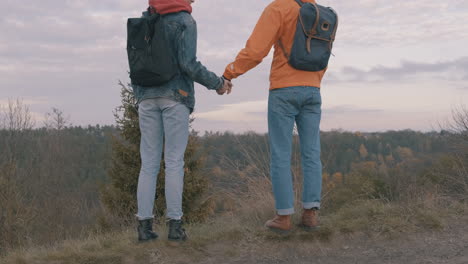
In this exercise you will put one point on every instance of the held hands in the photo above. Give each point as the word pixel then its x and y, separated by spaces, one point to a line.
pixel 227 87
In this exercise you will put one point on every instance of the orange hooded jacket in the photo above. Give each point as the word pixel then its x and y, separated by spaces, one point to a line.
pixel 278 21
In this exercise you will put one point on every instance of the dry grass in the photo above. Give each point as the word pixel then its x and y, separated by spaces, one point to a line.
pixel 227 235
pixel 122 247
pixel 231 233
pixel 238 228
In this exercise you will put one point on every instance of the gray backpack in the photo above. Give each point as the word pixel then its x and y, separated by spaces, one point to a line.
pixel 315 34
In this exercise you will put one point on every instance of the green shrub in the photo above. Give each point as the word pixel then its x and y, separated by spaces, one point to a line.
pixel 120 195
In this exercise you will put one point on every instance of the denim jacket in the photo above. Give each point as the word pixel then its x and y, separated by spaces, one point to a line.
pixel 181 29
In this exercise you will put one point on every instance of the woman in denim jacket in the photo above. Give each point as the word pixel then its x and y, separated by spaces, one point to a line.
pixel 164 119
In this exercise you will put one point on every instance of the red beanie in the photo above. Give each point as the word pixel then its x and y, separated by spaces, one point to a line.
pixel 170 6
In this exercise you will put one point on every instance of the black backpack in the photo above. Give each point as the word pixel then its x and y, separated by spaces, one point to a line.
pixel 149 51
pixel 313 41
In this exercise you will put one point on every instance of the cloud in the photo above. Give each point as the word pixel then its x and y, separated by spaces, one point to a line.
pixel 250 111
pixel 252 115
pixel 25 101
pixel 72 53
pixel 453 70
pixel 400 22
pixel 370 121
pixel 341 109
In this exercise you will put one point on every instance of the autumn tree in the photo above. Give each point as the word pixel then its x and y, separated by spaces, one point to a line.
pixel 363 151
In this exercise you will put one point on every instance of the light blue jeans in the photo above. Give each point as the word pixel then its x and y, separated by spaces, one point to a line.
pixel 163 122
pixel 300 104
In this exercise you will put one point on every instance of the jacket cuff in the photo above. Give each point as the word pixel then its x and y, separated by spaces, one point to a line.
pixel 220 85
pixel 228 76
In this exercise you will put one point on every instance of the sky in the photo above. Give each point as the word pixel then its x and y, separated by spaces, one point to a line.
pixel 398 64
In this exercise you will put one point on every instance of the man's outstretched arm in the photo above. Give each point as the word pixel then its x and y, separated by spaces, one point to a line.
pixel 264 36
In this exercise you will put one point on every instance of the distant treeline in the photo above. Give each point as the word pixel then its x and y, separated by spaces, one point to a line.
pixel 340 149
pixel 85 152
pixel 50 178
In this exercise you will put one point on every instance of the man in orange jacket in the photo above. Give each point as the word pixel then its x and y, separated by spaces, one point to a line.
pixel 294 98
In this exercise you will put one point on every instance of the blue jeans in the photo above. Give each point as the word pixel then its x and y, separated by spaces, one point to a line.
pixel 162 119
pixel 300 104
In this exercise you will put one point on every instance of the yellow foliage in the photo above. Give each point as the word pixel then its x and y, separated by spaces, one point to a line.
pixel 365 165
pixel 330 185
pixel 363 151
pixel 389 159
pixel 325 177
pixel 404 152
pixel 338 178
pixel 217 171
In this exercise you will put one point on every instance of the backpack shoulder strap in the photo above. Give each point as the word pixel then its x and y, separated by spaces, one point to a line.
pixel 309 34
pixel 336 25
pixel 313 31
pixel 280 43
pixel 333 35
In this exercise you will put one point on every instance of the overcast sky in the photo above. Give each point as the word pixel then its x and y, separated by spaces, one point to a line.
pixel 398 64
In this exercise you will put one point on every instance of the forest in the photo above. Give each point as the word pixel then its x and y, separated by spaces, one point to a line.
pixel 55 177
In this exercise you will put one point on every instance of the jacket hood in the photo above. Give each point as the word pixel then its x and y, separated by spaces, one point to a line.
pixel 170 6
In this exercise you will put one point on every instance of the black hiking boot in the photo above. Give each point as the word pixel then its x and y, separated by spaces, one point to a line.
pixel 176 233
pixel 145 230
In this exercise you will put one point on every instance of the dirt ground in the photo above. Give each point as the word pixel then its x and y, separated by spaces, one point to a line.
pixel 449 245
pixel 446 245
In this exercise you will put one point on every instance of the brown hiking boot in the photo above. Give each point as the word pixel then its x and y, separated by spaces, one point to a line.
pixel 280 224
pixel 310 219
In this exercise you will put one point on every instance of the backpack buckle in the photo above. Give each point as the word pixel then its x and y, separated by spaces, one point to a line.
pixel 325 26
